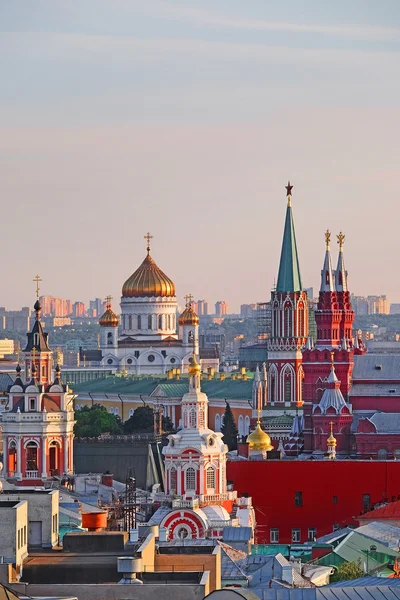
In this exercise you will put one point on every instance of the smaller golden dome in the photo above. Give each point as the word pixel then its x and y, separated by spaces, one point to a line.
pixel 188 317
pixel 109 319
pixel 194 367
pixel 331 440
pixel 259 439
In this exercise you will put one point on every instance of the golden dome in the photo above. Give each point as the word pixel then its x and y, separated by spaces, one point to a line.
pixel 147 281
pixel 109 319
pixel 331 441
pixel 188 317
pixel 194 367
pixel 259 439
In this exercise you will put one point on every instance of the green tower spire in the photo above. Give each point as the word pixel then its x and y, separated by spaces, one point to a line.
pixel 289 278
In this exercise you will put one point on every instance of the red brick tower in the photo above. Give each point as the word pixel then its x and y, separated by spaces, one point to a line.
pixel 289 323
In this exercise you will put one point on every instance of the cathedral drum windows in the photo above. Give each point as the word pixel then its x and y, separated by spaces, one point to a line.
pixel 210 478
pixel 190 479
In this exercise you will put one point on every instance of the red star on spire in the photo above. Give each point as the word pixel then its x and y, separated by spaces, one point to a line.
pixel 289 189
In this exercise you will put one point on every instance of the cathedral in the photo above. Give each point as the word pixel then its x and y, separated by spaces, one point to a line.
pixel 151 336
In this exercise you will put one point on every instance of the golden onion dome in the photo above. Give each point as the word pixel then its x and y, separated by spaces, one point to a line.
pixel 259 439
pixel 188 317
pixel 331 440
pixel 194 367
pixel 109 319
pixel 148 281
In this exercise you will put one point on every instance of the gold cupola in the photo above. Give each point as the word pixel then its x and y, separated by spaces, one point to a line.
pixel 194 367
pixel 189 317
pixel 331 441
pixel 109 319
pixel 259 439
pixel 148 280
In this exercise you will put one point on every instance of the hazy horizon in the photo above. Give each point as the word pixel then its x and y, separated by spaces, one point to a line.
pixel 186 119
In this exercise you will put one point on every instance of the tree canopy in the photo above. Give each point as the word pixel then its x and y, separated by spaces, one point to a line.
pixel 349 570
pixel 229 428
pixel 95 420
pixel 142 421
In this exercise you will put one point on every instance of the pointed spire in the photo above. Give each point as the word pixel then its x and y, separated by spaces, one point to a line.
pixel 264 376
pixel 257 375
pixel 289 278
pixel 341 273
pixel 327 282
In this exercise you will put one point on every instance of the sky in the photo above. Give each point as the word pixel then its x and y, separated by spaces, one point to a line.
pixel 186 119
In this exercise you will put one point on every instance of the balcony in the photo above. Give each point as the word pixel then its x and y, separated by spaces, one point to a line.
pixel 217 498
pixel 32 474
pixel 178 503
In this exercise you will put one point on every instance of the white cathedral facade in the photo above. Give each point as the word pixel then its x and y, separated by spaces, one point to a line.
pixel 150 337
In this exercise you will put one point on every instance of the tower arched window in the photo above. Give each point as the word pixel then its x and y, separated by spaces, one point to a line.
pixel 149 326
pixel 139 322
pixel 190 479
pixel 192 418
pixel 240 425
pixel 130 321
pixel 210 478
pixel 288 388
pixel 109 338
pixel 160 322
pixel 301 321
pixel 272 387
pixel 288 321
pixel 217 422
pixel 276 330
pixel 173 480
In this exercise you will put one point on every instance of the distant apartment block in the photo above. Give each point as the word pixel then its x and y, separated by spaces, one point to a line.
pixel 78 309
pixel 6 347
pixel 96 307
pixel 248 311
pixel 15 320
pixel 221 308
pixel 395 309
pixel 370 305
pixel 55 307
pixel 202 308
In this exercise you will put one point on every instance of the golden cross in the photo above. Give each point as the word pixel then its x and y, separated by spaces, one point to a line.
pixel 327 238
pixel 340 240
pixel 148 237
pixel 332 357
pixel 108 299
pixel 189 299
pixel 331 424
pixel 37 279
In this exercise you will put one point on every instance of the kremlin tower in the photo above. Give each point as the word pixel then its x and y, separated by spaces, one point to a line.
pixel 289 323
pixel 38 425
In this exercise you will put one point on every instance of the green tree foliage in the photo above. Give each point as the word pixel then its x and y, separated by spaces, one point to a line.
pixel 93 421
pixel 229 428
pixel 349 570
pixel 142 421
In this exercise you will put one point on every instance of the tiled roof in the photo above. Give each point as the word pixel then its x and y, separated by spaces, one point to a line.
pixel 289 278
pixel 388 511
pixel 386 422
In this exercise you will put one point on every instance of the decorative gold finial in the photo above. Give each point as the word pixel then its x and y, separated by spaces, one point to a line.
pixel 188 300
pixel 18 355
pixel 340 240
pixel 148 237
pixel 331 424
pixel 332 357
pixel 37 279
pixel 327 238
pixel 108 301
pixel 289 193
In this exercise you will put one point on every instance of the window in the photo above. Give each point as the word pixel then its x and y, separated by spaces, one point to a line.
pixel 19 539
pixel 288 388
pixel 210 478
pixel 366 500
pixel 190 479
pixel 160 322
pixel 109 339
pixel 301 321
pixel 192 418
pixel 151 358
pixel 295 535
pixel 32 403
pixel 382 454
pixel 129 361
pixel 335 499
pixel 112 410
pixel 173 360
pixel 273 388
pixel 116 411
pixel 31 456
pixel 288 321
pixel 298 498
pixel 110 361
pixel 149 322
pixel 172 475
pixel 312 534
pixel 274 536
pixel 139 322
pixel 217 422
pixel 137 353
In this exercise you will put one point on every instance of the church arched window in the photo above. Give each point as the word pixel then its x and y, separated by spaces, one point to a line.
pixel 109 338
pixel 173 480
pixel 160 322
pixel 217 422
pixel 139 322
pixel 190 479
pixel 149 322
pixel 192 418
pixel 210 478
pixel 246 425
pixel 240 425
pixel 288 388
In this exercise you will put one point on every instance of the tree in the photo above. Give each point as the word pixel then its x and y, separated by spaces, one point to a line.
pixel 349 570
pixel 93 421
pixel 142 421
pixel 229 428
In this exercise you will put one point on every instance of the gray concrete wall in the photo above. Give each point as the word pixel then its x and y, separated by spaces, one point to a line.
pixel 116 591
pixel 41 507
pixel 14 529
pixel 117 459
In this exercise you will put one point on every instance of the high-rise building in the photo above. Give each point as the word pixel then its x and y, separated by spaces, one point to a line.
pixel 395 309
pixel 221 308
pixel 370 305
pixel 202 308
pixel 55 307
pixel 78 309
pixel 97 307
pixel 248 311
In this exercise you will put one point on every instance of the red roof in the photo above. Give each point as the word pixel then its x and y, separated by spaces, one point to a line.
pixel 388 511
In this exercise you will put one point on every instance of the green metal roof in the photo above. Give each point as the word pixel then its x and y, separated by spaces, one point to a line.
pixel 289 278
pixel 278 420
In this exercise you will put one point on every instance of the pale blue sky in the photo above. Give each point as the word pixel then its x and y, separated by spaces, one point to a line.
pixel 186 118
